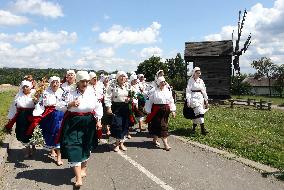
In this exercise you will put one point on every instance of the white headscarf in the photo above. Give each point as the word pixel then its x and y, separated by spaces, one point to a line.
pixel 159 71
pixel 193 71
pixel 26 83
pixel 70 71
pixel 92 75
pixel 82 75
pixel 133 77
pixel 53 78
pixel 119 73
pixel 160 79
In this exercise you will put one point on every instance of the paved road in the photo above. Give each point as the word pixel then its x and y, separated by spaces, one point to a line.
pixel 142 166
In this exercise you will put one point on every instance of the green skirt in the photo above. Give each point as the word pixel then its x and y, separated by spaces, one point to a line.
pixel 78 138
pixel 23 122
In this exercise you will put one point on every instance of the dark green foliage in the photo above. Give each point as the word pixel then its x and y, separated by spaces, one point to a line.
pixel 265 68
pixel 150 66
pixel 239 88
pixel 174 69
pixel 279 76
pixel 177 72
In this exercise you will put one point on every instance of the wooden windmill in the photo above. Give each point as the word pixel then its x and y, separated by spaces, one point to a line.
pixel 237 51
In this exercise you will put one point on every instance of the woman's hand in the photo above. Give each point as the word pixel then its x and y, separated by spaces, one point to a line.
pixel 108 111
pixel 74 103
pixel 127 100
pixel 174 114
pixel 188 103
pixel 99 124
pixel 206 105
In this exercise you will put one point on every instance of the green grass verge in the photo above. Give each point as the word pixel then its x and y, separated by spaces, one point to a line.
pixel 274 100
pixel 254 134
pixel 6 98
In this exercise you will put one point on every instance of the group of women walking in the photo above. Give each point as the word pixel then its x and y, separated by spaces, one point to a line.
pixel 71 113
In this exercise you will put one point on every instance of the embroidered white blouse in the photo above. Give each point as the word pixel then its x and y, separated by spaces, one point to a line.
pixel 196 92
pixel 159 96
pixel 21 101
pixel 116 93
pixel 48 98
pixel 88 102
pixel 66 87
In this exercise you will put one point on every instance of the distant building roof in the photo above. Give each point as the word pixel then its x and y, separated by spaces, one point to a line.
pixel 264 82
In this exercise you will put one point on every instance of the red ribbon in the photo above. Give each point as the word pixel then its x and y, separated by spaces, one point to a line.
pixel 12 121
pixel 154 111
pixel 37 119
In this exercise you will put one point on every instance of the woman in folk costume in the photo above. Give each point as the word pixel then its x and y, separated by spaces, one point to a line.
pixel 106 119
pixel 158 107
pixel 139 101
pixel 197 98
pixel 134 105
pixel 70 81
pixel 97 88
pixel 155 84
pixel 20 113
pixel 48 117
pixel 81 120
pixel 117 103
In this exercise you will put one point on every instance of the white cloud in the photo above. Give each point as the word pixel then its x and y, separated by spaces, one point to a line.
pixel 38 7
pixel 267 28
pixel 45 36
pixel 119 35
pixel 9 19
pixel 95 28
pixel 104 59
pixel 106 17
pixel 39 49
pixel 150 51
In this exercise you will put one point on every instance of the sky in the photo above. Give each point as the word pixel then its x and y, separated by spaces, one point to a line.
pixel 119 34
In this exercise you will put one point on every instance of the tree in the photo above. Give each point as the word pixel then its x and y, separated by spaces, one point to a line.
pixel 264 68
pixel 279 76
pixel 150 66
pixel 242 88
pixel 177 72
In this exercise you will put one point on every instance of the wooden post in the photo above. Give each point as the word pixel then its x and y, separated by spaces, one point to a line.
pixel 260 104
pixel 269 106
pixel 232 103
pixel 248 102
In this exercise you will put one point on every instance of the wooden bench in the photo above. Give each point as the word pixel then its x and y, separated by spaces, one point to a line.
pixel 251 102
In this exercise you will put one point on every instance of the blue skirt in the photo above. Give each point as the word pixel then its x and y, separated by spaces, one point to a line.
pixel 50 126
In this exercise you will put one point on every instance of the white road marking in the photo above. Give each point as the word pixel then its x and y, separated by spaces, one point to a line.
pixel 146 172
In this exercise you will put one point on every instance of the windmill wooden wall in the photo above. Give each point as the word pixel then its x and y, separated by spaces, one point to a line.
pixel 215 61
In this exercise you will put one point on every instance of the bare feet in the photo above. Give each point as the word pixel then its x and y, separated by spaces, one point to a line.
pixel 116 149
pixel 156 143
pixel 168 148
pixel 129 136
pixel 78 184
pixel 122 147
pixel 83 174
pixel 59 163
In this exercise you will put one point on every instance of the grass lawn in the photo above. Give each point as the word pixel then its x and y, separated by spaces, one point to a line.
pixel 274 100
pixel 255 134
pixel 6 98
